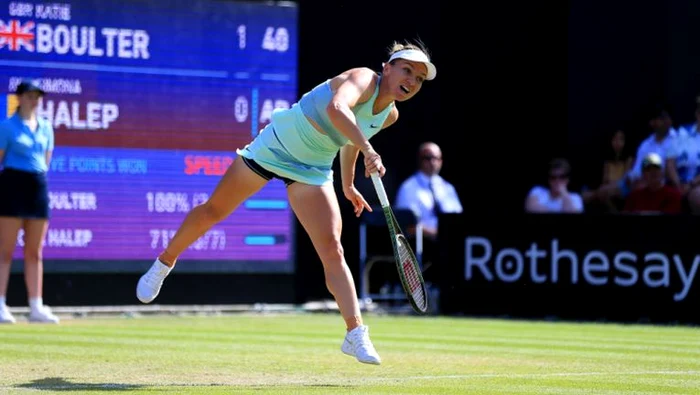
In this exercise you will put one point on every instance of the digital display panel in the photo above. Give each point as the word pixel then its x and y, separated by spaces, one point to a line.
pixel 149 101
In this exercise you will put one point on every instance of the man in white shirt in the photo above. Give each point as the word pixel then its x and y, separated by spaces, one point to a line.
pixel 426 193
pixel 555 198
pixel 661 142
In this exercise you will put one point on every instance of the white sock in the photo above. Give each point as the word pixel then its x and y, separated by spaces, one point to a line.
pixel 163 267
pixel 36 303
pixel 3 300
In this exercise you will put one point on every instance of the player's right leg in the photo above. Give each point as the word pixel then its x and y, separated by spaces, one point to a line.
pixel 237 185
pixel 318 212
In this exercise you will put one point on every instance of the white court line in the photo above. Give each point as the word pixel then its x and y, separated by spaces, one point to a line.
pixel 532 375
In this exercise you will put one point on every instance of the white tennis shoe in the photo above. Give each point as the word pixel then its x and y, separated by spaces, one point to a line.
pixel 43 314
pixel 5 316
pixel 150 283
pixel 357 344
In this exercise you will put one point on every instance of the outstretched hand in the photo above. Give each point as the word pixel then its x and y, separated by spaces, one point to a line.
pixel 358 201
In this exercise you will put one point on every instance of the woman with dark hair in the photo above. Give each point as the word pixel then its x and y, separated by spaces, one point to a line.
pixel 618 159
pixel 26 145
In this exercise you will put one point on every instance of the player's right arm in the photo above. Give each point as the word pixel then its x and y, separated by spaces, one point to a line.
pixel 350 88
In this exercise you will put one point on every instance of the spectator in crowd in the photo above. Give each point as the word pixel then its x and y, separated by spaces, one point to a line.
pixel 26 145
pixel 556 197
pixel 661 142
pixel 617 162
pixel 683 164
pixel 428 194
pixel 655 197
pixel 691 126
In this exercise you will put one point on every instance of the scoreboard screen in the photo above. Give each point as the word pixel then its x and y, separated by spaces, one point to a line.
pixel 149 101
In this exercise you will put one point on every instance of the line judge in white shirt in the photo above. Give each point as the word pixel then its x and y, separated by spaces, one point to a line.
pixel 426 193
pixel 556 198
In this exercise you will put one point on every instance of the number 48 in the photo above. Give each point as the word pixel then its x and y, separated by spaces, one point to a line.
pixel 276 39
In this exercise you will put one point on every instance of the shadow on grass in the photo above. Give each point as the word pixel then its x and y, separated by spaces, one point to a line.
pixel 60 384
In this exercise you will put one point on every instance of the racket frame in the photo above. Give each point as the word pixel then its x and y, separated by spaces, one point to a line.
pixel 396 234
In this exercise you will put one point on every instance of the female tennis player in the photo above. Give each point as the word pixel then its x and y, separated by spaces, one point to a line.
pixel 298 146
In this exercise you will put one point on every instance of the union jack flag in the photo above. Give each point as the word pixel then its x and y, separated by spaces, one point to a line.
pixel 15 35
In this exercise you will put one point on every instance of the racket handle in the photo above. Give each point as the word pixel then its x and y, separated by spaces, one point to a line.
pixel 379 187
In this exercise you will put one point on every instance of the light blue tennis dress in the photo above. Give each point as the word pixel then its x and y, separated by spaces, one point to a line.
pixel 291 147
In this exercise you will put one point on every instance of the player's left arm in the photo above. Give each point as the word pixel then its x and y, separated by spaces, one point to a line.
pixel 49 147
pixel 348 158
pixel 349 154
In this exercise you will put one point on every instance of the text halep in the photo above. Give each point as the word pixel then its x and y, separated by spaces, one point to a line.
pixel 93 116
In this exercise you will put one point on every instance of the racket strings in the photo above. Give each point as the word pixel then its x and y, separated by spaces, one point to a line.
pixel 412 278
pixel 408 264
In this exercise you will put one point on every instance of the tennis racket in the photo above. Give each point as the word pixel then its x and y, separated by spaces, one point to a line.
pixel 406 262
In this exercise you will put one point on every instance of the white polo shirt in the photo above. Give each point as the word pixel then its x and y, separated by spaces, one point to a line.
pixel 665 149
pixel 415 194
pixel 555 205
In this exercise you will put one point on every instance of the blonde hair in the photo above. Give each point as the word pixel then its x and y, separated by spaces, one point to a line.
pixel 417 45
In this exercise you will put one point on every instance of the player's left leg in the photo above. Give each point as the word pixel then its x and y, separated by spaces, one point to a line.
pixel 34 232
pixel 238 183
pixel 317 209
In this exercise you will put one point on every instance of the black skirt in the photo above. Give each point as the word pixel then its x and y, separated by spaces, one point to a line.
pixel 23 194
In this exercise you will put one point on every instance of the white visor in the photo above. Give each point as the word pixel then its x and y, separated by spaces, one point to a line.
pixel 415 55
